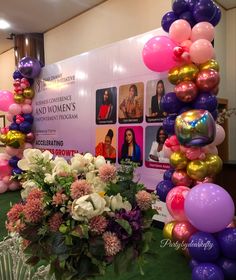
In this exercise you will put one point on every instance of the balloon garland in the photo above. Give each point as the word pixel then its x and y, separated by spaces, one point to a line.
pixel 18 136
pixel 202 211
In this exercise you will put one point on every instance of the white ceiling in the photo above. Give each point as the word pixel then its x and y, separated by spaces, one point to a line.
pixel 227 4
pixel 26 16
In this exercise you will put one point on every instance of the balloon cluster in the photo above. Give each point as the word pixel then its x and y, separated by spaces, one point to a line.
pixel 18 135
pixel 202 211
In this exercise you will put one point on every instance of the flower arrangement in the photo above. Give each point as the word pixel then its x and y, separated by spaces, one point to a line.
pixel 81 216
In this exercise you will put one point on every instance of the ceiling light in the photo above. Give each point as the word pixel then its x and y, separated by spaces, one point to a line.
pixel 4 24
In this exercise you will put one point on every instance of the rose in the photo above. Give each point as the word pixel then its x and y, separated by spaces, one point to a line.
pixel 115 202
pixel 78 162
pixel 88 206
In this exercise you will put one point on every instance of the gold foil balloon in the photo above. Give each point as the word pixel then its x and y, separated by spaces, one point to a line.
pixel 188 72
pixel 19 98
pixel 173 75
pixel 195 128
pixel 28 93
pixel 214 164
pixel 197 170
pixel 167 230
pixel 3 138
pixel 210 64
pixel 15 139
pixel 178 160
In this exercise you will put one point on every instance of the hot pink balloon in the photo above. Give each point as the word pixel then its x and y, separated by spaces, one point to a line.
pixel 15 109
pixel 201 51
pixel 210 149
pixel 220 135
pixel 27 109
pixel 158 54
pixel 5 168
pixel 180 30
pixel 175 202
pixel 3 187
pixel 6 98
pixel 203 30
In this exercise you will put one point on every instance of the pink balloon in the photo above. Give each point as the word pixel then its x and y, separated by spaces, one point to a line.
pixel 6 180
pixel 180 30
pixel 6 98
pixel 28 146
pixel 15 109
pixel 3 187
pixel 28 101
pixel 194 153
pixel 27 109
pixel 158 54
pixel 12 151
pixel 182 231
pixel 175 202
pixel 207 79
pixel 181 178
pixel 4 156
pixel 186 45
pixel 14 186
pixel 9 117
pixel 220 135
pixel 203 30
pixel 5 168
pixel 210 149
pixel 201 51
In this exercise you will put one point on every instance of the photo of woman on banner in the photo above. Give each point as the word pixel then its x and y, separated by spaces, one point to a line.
pixel 105 147
pixel 131 104
pixel 154 148
pixel 130 148
pixel 154 112
pixel 106 106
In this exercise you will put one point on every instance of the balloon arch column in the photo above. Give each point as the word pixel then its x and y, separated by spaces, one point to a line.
pixel 18 136
pixel 202 211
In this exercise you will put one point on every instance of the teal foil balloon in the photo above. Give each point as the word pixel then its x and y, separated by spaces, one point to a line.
pixel 195 128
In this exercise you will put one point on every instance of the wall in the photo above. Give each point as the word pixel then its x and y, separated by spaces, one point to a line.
pixel 230 89
pixel 109 22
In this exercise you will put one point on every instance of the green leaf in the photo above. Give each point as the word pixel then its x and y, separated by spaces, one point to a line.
pixel 125 225
pixel 124 260
pixel 96 247
pixel 63 229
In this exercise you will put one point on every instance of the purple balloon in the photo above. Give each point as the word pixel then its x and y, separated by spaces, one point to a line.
pixel 25 127
pixel 170 103
pixel 16 170
pixel 29 67
pixel 180 6
pixel 188 16
pixel 167 20
pixel 216 19
pixel 191 4
pixel 13 126
pixel 13 161
pixel 169 124
pixel 205 101
pixel 207 271
pixel 28 117
pixel 17 75
pixel 227 242
pixel 214 114
pixel 193 263
pixel 203 247
pixel 228 267
pixel 185 109
pixel 168 174
pixel 209 207
pixel 204 10
pixel 163 188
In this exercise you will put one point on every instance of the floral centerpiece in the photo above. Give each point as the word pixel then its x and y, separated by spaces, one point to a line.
pixel 81 216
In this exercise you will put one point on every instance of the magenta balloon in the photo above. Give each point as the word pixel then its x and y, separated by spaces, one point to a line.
pixel 209 207
pixel 6 99
pixel 158 54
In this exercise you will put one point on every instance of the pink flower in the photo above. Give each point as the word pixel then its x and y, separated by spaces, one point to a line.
pixel 14 214
pixel 59 199
pixel 112 243
pixel 35 194
pixel 144 200
pixel 98 225
pixel 33 210
pixel 15 226
pixel 80 188
pixel 55 222
pixel 107 172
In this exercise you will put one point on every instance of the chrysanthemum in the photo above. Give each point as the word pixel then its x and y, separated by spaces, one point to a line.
pixel 112 243
pixel 107 172
pixel 144 200
pixel 98 225
pixel 35 194
pixel 55 222
pixel 14 214
pixel 80 188
pixel 33 210
pixel 59 199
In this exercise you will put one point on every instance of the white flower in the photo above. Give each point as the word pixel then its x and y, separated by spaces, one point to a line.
pixel 49 178
pixel 99 161
pixel 78 162
pixel 27 187
pixel 61 166
pixel 115 202
pixel 88 206
pixel 88 157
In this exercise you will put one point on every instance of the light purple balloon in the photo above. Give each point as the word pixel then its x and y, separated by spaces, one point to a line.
pixel 209 207
pixel 29 67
